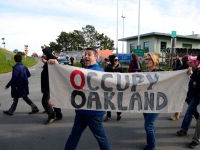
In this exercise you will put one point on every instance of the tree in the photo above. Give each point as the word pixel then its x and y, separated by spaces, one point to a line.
pixel 79 40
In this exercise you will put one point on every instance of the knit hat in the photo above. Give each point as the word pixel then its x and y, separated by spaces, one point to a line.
pixel 106 59
pixel 111 58
pixel 185 58
pixel 194 60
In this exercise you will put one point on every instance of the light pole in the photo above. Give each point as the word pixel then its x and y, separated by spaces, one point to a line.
pixel 117 32
pixel 138 46
pixel 123 32
pixel 4 42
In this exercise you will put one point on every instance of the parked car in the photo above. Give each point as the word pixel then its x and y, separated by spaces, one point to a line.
pixel 63 60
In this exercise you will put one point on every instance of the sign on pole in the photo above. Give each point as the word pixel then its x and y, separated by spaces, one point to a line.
pixel 124 57
pixel 8 57
pixel 139 52
pixel 173 34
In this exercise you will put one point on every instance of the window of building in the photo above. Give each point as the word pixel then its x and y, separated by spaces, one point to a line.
pixel 163 46
pixel 132 46
pixel 146 47
pixel 187 45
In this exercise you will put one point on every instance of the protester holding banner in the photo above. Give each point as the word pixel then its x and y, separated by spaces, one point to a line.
pixel 192 96
pixel 196 138
pixel 19 86
pixel 151 62
pixel 114 66
pixel 90 118
pixel 134 65
pixel 45 90
pixel 185 65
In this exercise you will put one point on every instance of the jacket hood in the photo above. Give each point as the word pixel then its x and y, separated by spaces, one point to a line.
pixel 49 54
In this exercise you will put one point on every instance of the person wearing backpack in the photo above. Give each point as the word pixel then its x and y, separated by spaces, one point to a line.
pixel 19 86
pixel 134 65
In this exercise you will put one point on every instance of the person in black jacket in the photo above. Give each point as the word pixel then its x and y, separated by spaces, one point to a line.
pixel 176 63
pixel 192 95
pixel 196 137
pixel 114 66
pixel 45 90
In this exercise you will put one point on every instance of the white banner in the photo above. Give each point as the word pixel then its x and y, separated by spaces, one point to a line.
pixel 152 92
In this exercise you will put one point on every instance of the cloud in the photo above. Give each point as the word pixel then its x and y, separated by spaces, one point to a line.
pixel 39 22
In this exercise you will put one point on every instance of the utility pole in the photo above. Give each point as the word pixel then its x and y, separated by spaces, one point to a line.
pixel 138 46
pixel 123 33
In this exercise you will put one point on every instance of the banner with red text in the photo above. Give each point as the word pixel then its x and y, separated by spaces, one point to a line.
pixel 152 92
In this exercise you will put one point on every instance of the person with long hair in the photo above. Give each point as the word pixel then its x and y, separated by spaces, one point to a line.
pixel 134 65
pixel 151 62
pixel 114 66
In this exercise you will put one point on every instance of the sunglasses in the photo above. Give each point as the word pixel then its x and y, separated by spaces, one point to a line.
pixel 115 59
pixel 148 59
pixel 190 62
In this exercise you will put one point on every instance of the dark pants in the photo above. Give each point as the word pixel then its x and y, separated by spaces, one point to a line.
pixel 109 114
pixel 49 109
pixel 80 124
pixel 26 99
pixel 191 110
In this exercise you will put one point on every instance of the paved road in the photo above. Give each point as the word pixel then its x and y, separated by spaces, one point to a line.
pixel 28 132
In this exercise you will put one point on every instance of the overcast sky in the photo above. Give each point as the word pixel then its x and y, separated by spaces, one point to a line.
pixel 38 22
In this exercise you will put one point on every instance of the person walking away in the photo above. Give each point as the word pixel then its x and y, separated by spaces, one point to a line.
pixel 114 66
pixel 19 86
pixel 72 60
pixel 185 65
pixel 52 116
pixel 192 96
pixel 151 62
pixel 176 63
pixel 196 137
pixel 90 118
pixel 135 65
pixel 82 62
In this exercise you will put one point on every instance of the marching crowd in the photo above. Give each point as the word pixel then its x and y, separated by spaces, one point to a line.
pixel 94 119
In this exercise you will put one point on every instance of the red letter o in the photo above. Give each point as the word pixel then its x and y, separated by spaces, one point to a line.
pixel 72 76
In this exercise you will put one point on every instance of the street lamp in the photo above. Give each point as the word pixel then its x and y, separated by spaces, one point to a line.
pixel 117 32
pixel 123 33
pixel 3 42
pixel 138 46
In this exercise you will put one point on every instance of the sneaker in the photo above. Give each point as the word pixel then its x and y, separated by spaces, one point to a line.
pixel 193 145
pixel 119 118
pixel 50 121
pixel 58 119
pixel 107 119
pixel 7 113
pixel 145 148
pixel 182 133
pixel 34 111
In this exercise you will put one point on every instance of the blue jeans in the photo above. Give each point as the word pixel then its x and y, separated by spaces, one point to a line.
pixel 96 126
pixel 191 110
pixel 149 119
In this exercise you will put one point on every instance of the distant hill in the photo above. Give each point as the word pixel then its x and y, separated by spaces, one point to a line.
pixel 6 66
